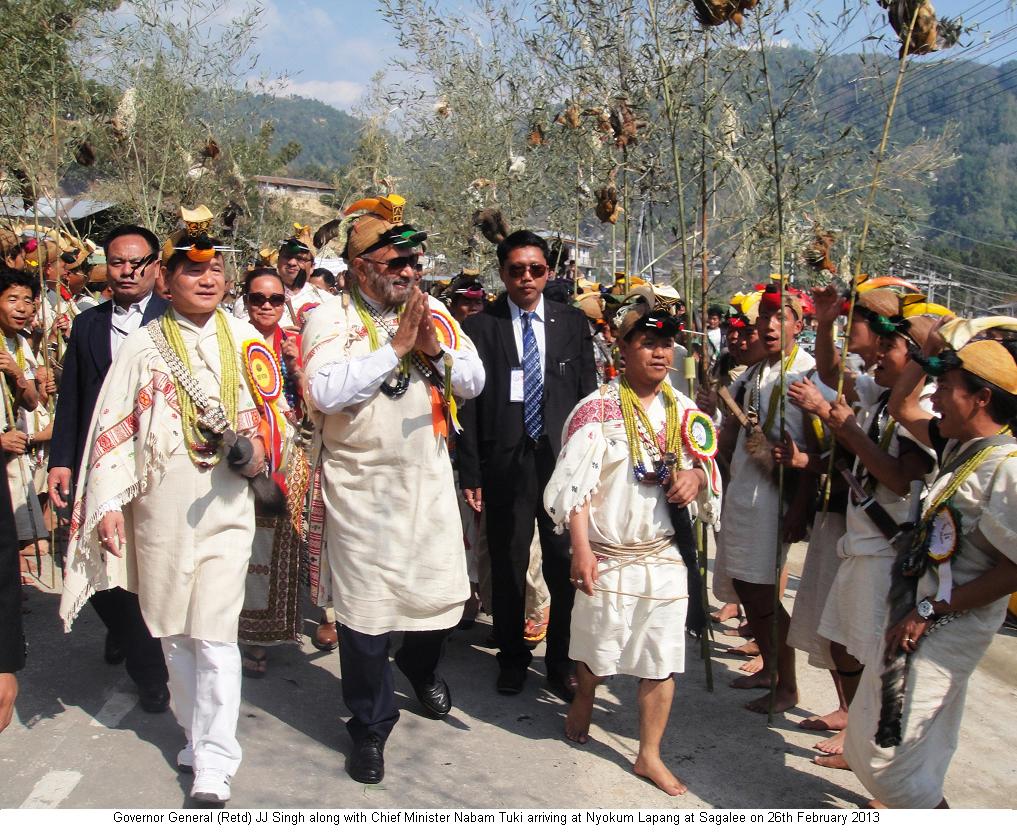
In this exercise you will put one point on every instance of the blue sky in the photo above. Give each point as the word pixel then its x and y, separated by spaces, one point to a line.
pixel 329 49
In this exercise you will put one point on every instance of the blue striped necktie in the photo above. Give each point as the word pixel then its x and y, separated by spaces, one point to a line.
pixel 533 385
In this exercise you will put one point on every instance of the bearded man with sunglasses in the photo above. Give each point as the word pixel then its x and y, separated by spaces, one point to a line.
pixel 380 387
pixel 133 268
pixel 538 359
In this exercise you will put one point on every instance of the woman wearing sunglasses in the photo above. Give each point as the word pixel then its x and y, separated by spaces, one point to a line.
pixel 270 613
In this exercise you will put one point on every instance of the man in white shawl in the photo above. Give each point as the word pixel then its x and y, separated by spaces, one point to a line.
pixel 382 365
pixel 635 454
pixel 163 509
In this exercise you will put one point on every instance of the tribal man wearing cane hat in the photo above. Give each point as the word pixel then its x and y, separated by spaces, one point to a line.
pixel 163 504
pixel 636 457
pixel 384 364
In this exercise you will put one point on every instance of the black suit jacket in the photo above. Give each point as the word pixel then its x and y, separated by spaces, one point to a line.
pixel 493 431
pixel 87 360
pixel 12 638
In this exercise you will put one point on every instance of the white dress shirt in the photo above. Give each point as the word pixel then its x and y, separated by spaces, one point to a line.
pixel 125 321
pixel 537 323
pixel 340 385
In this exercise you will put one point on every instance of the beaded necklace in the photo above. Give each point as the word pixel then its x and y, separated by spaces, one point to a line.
pixel 19 357
pixel 959 476
pixel 775 393
pixel 640 434
pixel 203 446
pixel 372 321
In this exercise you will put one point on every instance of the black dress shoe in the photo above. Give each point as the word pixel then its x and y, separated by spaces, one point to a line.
pixel 154 698
pixel 511 680
pixel 112 653
pixel 434 697
pixel 367 761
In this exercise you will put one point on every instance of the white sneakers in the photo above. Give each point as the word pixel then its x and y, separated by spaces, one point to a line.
pixel 211 785
pixel 185 759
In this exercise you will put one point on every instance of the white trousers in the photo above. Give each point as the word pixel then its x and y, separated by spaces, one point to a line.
pixel 204 684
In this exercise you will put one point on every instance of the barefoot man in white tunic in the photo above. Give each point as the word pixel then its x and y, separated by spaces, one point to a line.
pixel 630 450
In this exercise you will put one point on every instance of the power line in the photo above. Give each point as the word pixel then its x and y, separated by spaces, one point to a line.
pixel 972 239
pixel 919 83
pixel 929 71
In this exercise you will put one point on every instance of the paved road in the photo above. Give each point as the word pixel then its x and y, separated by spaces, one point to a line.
pixel 79 740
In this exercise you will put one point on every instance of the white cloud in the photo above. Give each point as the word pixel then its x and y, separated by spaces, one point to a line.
pixel 338 93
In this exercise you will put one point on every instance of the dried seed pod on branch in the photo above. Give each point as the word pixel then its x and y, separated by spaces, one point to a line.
pixel 930 34
pixel 569 117
pixel 716 12
pixel 624 124
pixel 607 204
pixel 491 224
pixel 816 254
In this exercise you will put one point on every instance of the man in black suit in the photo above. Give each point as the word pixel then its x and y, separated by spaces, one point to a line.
pixel 538 357
pixel 12 638
pixel 133 267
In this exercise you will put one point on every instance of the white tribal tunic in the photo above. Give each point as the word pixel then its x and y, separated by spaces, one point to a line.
pixel 911 775
pixel 392 550
pixel 189 529
pixel 747 543
pixel 856 608
pixel 634 624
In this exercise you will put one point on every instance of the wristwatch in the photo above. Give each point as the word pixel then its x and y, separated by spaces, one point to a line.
pixel 925 609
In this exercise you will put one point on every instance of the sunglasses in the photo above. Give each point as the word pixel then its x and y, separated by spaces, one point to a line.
pixel 519 270
pixel 398 264
pixel 259 299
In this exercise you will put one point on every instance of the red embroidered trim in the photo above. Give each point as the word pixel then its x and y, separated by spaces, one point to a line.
pixel 594 412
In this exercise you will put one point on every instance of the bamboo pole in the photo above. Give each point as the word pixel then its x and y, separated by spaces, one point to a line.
pixel 866 219
pixel 676 159
pixel 774 659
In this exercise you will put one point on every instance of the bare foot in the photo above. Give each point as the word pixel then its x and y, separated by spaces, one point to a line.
pixel 753 664
pixel 656 771
pixel 836 720
pixel 832 746
pixel 577 722
pixel 727 612
pixel 836 761
pixel 760 680
pixel 750 649
pixel 783 701
pixel 743 630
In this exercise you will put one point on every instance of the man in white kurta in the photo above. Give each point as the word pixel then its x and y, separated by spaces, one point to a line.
pixel 746 569
pixel 393 540
pixel 184 538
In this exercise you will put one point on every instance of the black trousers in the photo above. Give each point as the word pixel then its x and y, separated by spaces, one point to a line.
pixel 120 611
pixel 509 533
pixel 368 690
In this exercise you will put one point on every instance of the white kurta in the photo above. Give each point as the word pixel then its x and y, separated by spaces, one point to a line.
pixel 634 624
pixel 189 529
pixel 393 536
pixel 856 608
pixel 911 775
pixel 747 543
